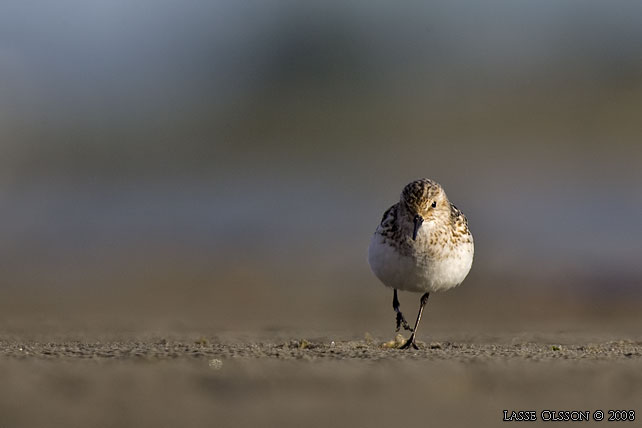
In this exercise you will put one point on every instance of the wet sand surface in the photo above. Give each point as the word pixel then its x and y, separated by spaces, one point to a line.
pixel 292 382
pixel 192 357
pixel 368 349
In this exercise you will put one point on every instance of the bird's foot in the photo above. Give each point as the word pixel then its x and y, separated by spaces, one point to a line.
pixel 410 342
pixel 401 321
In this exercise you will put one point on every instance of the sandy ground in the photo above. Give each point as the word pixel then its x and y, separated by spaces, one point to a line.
pixel 214 381
pixel 194 356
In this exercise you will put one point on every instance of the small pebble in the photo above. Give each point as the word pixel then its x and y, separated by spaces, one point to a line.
pixel 215 364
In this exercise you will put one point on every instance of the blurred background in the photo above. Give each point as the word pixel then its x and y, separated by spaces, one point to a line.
pixel 220 166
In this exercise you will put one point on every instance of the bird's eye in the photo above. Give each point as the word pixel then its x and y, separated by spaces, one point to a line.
pixel 434 204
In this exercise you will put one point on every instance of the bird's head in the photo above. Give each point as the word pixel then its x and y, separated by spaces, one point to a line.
pixel 425 201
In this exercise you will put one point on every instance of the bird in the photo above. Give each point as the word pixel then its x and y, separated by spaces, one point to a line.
pixel 422 245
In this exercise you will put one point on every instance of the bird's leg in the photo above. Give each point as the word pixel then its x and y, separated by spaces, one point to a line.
pixel 411 341
pixel 401 321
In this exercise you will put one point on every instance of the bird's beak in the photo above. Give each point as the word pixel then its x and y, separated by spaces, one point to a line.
pixel 418 222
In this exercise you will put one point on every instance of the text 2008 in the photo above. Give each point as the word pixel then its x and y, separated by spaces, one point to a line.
pixel 621 415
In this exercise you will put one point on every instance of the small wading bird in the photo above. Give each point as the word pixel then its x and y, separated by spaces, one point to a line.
pixel 422 245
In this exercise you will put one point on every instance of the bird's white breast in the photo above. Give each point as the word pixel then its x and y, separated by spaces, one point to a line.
pixel 419 272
